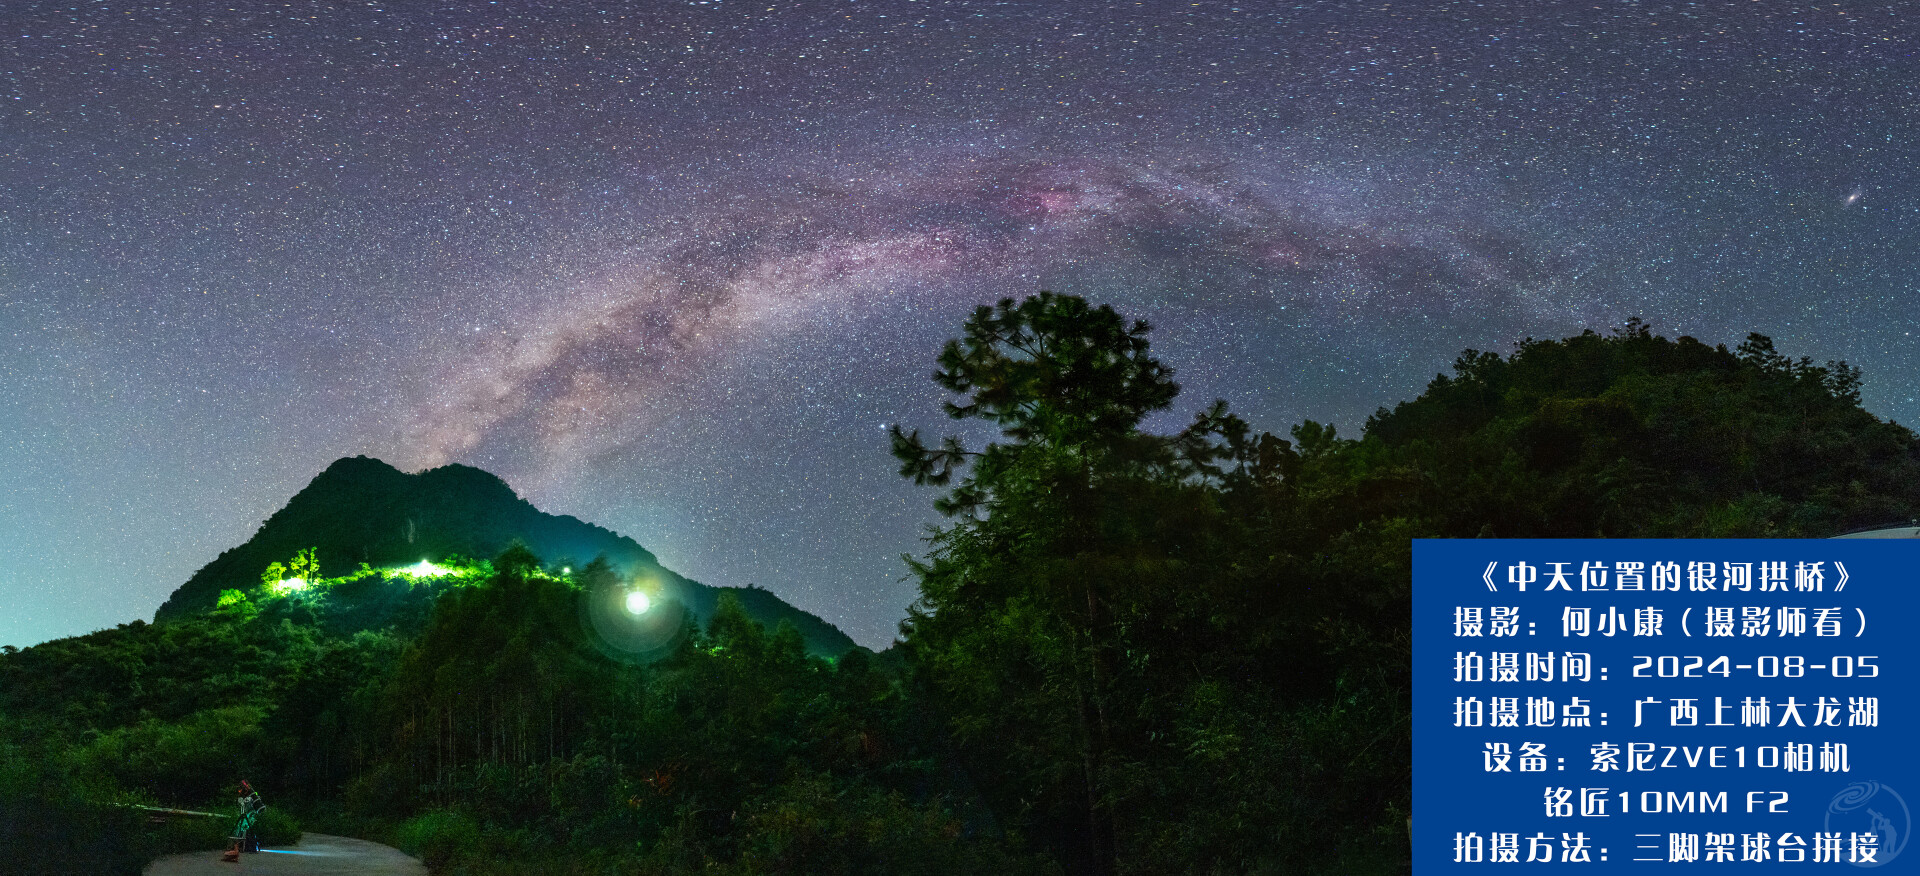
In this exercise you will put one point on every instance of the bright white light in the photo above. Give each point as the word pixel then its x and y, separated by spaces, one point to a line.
pixel 293 583
pixel 424 569
pixel 638 603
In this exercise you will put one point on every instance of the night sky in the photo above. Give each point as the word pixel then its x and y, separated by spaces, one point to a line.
pixel 672 267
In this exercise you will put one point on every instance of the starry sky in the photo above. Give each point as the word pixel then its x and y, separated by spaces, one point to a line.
pixel 673 266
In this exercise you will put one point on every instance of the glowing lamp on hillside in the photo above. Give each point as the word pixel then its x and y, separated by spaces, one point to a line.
pixel 631 618
pixel 289 584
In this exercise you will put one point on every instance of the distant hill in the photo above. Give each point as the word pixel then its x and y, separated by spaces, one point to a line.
pixel 362 510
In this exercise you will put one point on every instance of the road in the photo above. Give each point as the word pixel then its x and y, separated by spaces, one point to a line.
pixel 317 855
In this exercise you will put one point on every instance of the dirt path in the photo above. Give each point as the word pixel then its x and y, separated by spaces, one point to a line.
pixel 317 855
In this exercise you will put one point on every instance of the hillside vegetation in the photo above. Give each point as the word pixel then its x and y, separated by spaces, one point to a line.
pixel 1133 653
pixel 361 513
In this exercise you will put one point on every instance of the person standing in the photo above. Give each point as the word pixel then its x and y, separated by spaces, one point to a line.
pixel 245 838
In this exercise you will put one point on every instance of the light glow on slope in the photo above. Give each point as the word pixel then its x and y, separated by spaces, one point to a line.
pixel 424 569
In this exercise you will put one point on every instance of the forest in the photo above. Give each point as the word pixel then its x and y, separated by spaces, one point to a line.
pixel 1132 653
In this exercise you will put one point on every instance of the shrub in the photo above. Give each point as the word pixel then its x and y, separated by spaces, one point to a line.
pixel 437 837
pixel 277 827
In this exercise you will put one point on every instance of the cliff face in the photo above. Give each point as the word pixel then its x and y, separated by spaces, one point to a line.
pixel 362 510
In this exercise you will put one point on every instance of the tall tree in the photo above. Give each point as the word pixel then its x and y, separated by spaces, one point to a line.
pixel 1034 600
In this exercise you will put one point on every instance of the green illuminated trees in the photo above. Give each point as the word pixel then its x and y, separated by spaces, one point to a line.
pixel 304 565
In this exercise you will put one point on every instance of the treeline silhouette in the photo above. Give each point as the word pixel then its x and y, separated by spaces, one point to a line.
pixel 1133 652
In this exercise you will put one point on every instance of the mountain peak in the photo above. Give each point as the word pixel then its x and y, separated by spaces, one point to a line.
pixel 362 510
pixel 358 462
pixel 356 468
pixel 455 472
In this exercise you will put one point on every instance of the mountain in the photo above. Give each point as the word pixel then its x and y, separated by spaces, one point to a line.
pixel 362 510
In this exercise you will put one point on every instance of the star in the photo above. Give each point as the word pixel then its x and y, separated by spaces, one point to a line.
pixel 647 269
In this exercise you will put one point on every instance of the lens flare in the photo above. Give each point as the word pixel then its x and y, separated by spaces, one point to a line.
pixel 634 618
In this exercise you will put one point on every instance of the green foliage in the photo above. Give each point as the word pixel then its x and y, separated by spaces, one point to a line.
pixel 169 714
pixel 492 711
pixel 1133 652
pixel 542 750
pixel 181 835
pixel 1106 583
pixel 363 511
pixel 304 566
pixel 502 674
pixel 195 758
pixel 1634 435
pixel 439 836
pixel 1189 652
pixel 57 817
pixel 277 827
pixel 1051 373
